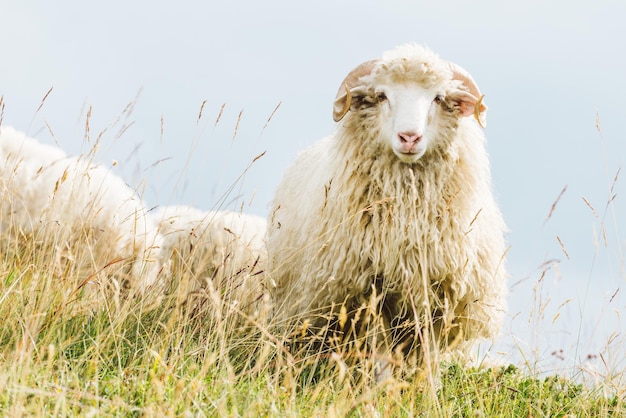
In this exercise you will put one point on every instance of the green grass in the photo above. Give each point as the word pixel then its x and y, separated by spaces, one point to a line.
pixel 142 358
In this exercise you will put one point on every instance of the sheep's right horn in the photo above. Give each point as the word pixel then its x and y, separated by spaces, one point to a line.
pixel 343 100
pixel 459 73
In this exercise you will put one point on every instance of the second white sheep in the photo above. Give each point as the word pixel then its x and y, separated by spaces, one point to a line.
pixel 224 247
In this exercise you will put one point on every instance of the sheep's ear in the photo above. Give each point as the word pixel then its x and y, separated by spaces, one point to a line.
pixel 343 100
pixel 470 105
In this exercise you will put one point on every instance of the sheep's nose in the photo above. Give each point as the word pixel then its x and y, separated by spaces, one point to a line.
pixel 409 137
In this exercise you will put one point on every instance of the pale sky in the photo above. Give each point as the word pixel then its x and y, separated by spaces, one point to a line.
pixel 547 69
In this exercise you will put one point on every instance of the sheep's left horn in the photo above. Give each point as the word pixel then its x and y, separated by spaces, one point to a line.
pixel 343 100
pixel 459 73
pixel 346 99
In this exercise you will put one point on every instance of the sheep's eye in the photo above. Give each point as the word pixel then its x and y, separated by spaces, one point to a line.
pixel 438 99
pixel 381 96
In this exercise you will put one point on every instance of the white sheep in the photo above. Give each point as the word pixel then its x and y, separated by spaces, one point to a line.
pixel 17 143
pixel 396 209
pixel 224 247
pixel 86 217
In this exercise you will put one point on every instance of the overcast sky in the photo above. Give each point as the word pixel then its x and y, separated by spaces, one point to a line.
pixel 548 69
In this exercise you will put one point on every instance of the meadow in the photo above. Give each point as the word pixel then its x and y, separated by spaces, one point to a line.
pixel 70 346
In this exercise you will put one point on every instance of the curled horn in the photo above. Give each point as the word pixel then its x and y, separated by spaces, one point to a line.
pixel 347 98
pixel 480 109
pixel 343 100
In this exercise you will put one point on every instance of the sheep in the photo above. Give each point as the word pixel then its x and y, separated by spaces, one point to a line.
pixel 88 219
pixel 393 214
pixel 17 143
pixel 222 247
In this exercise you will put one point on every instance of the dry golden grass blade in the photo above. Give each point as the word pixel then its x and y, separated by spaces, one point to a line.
pixel 475 217
pixel 52 134
pixel 60 181
pixel 130 107
pixel 237 124
pixel 271 116
pixel 469 227
pixel 44 99
pixel 258 157
pixel 553 207
pixel 219 115
pixel 562 246
pixel 564 303
pixel 200 112
pixel 593 211
pixel 121 132
pixel 159 161
pixel 87 118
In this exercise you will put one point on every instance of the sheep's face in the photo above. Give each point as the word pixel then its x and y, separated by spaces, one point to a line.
pixel 409 99
pixel 409 115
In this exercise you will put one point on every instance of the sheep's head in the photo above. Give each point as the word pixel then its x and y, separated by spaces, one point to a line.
pixel 410 90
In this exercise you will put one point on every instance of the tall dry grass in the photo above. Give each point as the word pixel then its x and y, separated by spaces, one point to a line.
pixel 74 346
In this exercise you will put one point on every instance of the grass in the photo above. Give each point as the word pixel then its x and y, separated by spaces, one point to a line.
pixel 70 351
pixel 165 360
